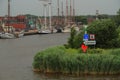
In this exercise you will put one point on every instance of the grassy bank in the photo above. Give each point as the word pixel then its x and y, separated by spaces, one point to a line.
pixel 71 61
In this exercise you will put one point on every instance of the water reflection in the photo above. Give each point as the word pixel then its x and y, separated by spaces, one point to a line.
pixel 83 77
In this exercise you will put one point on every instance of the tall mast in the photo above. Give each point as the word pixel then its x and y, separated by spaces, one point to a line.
pixel 50 16
pixel 8 8
pixel 45 14
pixel 8 14
pixel 45 11
pixel 66 12
pixel 58 15
pixel 62 9
pixel 70 9
pixel 73 10
pixel 58 7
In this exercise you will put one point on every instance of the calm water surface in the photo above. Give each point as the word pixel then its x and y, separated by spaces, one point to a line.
pixel 16 57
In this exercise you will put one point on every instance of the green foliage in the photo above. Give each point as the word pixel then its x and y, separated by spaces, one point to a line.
pixel 103 16
pixel 71 51
pixel 105 32
pixel 57 59
pixel 115 52
pixel 75 39
pixel 72 36
pixel 95 51
pixel 117 18
pixel 82 19
pixel 44 59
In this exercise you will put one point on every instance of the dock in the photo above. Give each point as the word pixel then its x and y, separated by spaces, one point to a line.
pixel 31 32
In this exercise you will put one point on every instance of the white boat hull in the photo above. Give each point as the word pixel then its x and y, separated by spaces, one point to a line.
pixel 47 31
pixel 7 36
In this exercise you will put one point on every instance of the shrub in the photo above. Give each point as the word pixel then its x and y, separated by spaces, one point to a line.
pixel 98 50
pixel 47 59
pixel 115 52
pixel 75 40
pixel 70 50
pixel 58 59
pixel 105 31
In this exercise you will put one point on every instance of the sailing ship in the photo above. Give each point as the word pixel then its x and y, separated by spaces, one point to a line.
pixel 8 32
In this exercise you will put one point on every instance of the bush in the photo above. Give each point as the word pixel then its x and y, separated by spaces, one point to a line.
pixel 58 59
pixel 95 51
pixel 75 40
pixel 47 59
pixel 106 33
pixel 115 52
pixel 71 51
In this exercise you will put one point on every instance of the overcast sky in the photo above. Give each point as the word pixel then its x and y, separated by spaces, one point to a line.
pixel 82 7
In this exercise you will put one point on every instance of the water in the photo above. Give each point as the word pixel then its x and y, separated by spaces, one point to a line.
pixel 16 57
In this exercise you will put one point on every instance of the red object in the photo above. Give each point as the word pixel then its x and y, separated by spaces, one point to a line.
pixel 84 47
pixel 18 25
pixel 21 17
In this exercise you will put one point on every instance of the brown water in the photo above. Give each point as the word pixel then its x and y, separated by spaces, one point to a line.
pixel 16 57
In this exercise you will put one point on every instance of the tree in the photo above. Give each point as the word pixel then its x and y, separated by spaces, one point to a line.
pixel 71 39
pixel 105 31
pixel 82 19
pixel 75 40
pixel 117 18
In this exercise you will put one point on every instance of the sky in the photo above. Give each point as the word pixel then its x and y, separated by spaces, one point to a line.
pixel 82 7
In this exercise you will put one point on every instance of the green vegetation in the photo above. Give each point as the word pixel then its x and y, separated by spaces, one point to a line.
pixel 117 18
pixel 75 39
pixel 106 33
pixel 71 61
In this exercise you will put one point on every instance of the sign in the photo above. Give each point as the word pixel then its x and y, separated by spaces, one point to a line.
pixel 85 37
pixel 90 42
pixel 92 36
pixel 84 47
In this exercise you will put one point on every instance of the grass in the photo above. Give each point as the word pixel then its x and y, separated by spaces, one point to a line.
pixel 72 61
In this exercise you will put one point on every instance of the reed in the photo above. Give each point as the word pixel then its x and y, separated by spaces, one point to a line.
pixel 58 59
